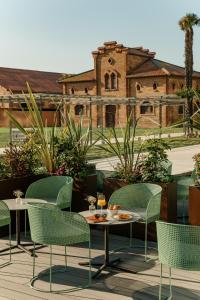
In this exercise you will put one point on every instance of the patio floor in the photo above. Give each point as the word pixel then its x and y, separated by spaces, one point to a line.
pixel 118 285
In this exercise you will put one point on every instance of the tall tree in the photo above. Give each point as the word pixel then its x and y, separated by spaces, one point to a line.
pixel 186 24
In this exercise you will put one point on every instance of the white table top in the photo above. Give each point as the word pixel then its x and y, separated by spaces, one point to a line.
pixel 13 205
pixel 111 220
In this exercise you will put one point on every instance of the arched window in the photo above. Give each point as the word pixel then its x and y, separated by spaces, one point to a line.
pixel 146 108
pixel 113 81
pixel 72 91
pixel 86 90
pixel 138 87
pixel 182 86
pixel 173 86
pixel 155 86
pixel 107 81
pixel 78 110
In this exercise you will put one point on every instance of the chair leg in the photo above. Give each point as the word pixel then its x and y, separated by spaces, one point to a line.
pixel 50 269
pixel 10 239
pixel 90 267
pixel 25 223
pixel 65 257
pixel 33 259
pixel 131 235
pixel 160 287
pixel 145 245
pixel 170 282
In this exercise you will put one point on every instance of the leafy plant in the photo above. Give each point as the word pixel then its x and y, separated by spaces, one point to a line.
pixel 4 168
pixel 127 168
pixel 196 159
pixel 21 160
pixel 71 149
pixel 153 166
pixel 44 141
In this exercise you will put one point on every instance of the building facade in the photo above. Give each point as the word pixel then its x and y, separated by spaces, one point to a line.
pixel 124 72
pixel 13 81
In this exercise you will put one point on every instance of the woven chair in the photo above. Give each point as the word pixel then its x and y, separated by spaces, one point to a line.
pixel 51 226
pixel 183 183
pixel 141 198
pixel 53 189
pixel 5 219
pixel 178 247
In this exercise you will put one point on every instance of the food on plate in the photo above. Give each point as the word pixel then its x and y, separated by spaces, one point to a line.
pixel 123 216
pixel 114 207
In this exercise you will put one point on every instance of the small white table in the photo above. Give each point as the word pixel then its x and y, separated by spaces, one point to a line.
pixel 18 207
pixel 110 222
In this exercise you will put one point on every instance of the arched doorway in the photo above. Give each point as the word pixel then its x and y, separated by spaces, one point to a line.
pixel 110 115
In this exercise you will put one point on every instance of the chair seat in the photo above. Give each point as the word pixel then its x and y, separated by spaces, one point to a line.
pixel 70 235
pixel 51 200
pixel 4 220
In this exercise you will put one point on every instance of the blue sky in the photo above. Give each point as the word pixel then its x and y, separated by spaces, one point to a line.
pixel 59 35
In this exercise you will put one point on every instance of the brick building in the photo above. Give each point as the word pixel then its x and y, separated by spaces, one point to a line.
pixel 123 72
pixel 13 81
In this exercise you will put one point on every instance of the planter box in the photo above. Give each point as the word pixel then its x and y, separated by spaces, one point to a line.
pixel 168 210
pixel 82 189
pixel 7 186
pixel 194 205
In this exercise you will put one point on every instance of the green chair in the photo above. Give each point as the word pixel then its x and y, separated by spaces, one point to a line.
pixel 53 189
pixel 141 198
pixel 101 174
pixel 5 219
pixel 183 183
pixel 51 226
pixel 178 247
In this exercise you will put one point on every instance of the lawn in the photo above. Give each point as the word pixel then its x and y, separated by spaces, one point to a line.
pixel 173 142
pixel 5 132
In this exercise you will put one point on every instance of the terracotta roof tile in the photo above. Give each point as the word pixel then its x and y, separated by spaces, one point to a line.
pixel 39 81
pixel 84 76
pixel 155 67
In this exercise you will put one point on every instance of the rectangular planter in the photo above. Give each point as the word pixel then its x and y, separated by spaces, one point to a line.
pixel 194 205
pixel 81 189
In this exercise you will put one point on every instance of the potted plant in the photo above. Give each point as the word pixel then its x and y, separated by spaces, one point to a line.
pixel 71 148
pixel 194 193
pixel 19 167
pixel 43 138
pixel 127 169
pixel 156 168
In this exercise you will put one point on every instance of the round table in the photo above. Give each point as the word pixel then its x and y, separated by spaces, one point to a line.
pixel 18 206
pixel 106 225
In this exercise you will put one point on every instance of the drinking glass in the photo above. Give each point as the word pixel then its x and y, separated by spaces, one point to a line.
pixel 18 194
pixel 101 202
pixel 92 201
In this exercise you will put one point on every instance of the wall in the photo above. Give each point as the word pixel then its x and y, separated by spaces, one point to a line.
pixel 147 87
pixel 79 88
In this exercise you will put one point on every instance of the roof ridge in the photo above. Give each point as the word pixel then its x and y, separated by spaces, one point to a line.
pixel 141 64
pixel 81 73
pixel 19 69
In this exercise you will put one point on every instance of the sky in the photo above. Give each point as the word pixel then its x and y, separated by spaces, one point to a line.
pixel 59 35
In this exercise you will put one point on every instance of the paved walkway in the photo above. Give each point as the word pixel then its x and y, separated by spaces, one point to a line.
pixel 181 158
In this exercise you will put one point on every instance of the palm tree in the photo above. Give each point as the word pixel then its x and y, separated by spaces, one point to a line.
pixel 186 24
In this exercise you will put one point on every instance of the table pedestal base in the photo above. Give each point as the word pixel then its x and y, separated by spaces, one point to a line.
pixel 21 248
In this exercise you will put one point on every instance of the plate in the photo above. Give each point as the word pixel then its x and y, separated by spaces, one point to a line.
pixel 123 217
